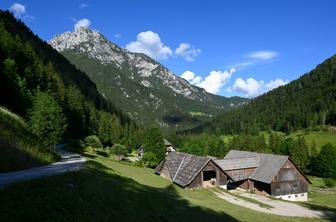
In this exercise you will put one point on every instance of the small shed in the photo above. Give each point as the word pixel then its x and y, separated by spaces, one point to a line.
pixel 191 171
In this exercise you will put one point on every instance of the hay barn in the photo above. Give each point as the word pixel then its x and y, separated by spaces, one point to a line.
pixel 262 173
pixel 191 171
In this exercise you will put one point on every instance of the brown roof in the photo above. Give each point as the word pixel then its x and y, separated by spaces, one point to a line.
pixel 183 167
pixel 269 164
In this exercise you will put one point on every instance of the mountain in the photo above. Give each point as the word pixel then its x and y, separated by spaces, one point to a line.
pixel 143 88
pixel 306 102
pixel 29 65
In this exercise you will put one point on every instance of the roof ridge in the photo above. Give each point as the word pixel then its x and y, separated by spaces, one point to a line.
pixel 262 153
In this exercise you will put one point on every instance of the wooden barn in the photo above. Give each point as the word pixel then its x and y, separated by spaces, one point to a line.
pixel 190 171
pixel 276 175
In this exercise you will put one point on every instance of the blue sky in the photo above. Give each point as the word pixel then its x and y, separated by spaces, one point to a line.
pixel 228 47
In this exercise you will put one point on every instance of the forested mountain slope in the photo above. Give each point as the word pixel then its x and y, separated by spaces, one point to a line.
pixel 144 89
pixel 29 65
pixel 305 102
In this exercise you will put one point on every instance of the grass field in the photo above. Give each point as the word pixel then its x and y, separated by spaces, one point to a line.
pixel 107 190
pixel 19 148
pixel 320 137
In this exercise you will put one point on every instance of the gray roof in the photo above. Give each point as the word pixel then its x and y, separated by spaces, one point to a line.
pixel 238 163
pixel 183 167
pixel 269 164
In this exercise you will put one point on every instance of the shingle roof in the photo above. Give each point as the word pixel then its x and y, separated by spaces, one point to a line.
pixel 183 167
pixel 238 163
pixel 269 164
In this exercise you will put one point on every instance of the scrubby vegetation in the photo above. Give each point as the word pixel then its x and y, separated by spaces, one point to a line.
pixel 19 147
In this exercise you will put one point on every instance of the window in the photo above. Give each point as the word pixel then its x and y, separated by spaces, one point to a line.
pixel 296 195
pixel 302 195
pixel 289 197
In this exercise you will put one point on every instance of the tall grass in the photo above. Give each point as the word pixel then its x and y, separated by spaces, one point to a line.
pixel 19 148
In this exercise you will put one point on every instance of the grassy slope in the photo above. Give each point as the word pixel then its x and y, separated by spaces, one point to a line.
pixel 19 148
pixel 320 137
pixel 110 191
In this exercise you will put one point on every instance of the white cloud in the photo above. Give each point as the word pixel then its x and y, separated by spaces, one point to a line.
pixel 211 83
pixel 117 35
pixel 18 9
pixel 263 55
pixel 251 87
pixel 275 84
pixel 83 6
pixel 150 44
pixel 191 77
pixel 187 51
pixel 82 23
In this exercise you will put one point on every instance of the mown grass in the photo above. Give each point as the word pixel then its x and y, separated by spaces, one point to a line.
pixel 107 190
pixel 320 138
pixel 263 205
pixel 19 148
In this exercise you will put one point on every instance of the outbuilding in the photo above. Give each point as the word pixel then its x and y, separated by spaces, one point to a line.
pixel 191 171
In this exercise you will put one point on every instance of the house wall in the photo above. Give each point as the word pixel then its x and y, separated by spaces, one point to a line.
pixel 288 181
pixel 221 178
pixel 165 172
pixel 294 197
pixel 240 174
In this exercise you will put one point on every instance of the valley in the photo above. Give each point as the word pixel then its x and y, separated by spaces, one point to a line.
pixel 142 88
pixel 221 117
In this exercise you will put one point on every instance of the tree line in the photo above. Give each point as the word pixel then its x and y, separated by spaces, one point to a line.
pixel 306 102
pixel 304 155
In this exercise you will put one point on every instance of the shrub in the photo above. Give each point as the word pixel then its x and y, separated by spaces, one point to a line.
pixel 119 150
pixel 329 182
pixel 93 141
pixel 150 159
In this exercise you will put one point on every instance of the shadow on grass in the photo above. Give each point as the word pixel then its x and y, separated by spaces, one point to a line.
pixel 332 211
pixel 97 194
pixel 102 153
pixel 88 155
pixel 13 158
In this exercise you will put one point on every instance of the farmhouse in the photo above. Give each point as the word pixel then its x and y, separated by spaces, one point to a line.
pixel 276 175
pixel 191 171
pixel 262 173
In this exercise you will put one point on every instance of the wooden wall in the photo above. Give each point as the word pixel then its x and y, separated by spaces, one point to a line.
pixel 221 178
pixel 288 180
pixel 240 174
pixel 165 172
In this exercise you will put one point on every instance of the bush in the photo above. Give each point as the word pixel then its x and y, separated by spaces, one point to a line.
pixel 150 159
pixel 119 150
pixel 93 142
pixel 329 182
